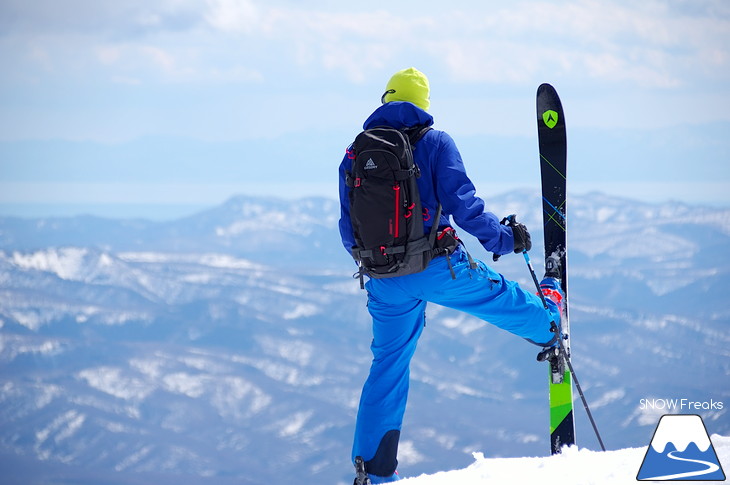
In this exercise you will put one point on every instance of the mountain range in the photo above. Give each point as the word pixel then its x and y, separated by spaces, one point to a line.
pixel 230 346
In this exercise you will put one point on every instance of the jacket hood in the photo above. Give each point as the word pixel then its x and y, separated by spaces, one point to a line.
pixel 398 114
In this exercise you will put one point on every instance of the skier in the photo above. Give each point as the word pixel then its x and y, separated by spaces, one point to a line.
pixel 397 305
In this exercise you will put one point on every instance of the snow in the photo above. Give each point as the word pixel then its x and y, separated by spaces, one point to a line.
pixel 254 375
pixel 62 428
pixel 294 424
pixel 67 263
pixel 239 399
pixel 302 310
pixel 575 466
pixel 183 383
pixel 112 381
pixel 461 323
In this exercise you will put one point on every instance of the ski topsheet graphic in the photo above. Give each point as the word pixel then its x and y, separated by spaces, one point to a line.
pixel 553 163
pixel 681 450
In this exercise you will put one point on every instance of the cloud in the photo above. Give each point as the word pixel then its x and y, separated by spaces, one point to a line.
pixel 131 18
pixel 126 60
pixel 653 44
pixel 171 60
pixel 646 43
pixel 237 16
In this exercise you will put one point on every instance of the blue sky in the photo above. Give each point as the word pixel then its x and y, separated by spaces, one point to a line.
pixel 158 107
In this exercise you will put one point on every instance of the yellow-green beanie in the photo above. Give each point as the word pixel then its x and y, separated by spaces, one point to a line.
pixel 408 85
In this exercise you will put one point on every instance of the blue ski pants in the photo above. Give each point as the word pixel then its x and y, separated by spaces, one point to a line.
pixel 397 306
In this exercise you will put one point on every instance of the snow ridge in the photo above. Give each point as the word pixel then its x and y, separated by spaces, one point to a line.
pixel 575 466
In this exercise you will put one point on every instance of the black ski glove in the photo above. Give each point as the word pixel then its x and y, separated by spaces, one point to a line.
pixel 523 241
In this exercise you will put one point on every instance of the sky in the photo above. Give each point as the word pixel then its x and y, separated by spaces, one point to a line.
pixel 159 108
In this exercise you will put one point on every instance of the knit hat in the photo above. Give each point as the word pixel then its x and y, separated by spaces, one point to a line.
pixel 408 85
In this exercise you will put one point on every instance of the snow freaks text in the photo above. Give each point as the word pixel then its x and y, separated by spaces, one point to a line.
pixel 679 404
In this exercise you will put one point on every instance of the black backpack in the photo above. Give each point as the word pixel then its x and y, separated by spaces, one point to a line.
pixel 385 204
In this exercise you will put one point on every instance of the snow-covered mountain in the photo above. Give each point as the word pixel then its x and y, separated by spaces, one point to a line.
pixel 272 230
pixel 230 346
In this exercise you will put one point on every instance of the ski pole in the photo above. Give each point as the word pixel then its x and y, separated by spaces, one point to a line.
pixel 561 348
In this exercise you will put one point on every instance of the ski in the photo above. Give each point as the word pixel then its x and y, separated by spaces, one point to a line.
pixel 553 158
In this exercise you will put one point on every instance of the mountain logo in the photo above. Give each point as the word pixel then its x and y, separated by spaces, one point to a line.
pixel 681 450
pixel 550 118
pixel 370 165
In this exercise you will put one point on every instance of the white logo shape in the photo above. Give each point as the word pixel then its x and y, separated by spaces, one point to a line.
pixel 680 449
pixel 370 165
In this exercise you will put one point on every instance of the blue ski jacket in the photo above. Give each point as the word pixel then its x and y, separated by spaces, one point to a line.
pixel 443 178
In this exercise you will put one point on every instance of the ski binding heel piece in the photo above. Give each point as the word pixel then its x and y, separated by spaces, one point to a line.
pixel 557 363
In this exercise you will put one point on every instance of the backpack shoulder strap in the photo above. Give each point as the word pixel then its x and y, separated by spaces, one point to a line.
pixel 415 133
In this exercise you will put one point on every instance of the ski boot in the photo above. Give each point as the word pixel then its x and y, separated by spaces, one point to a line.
pixel 550 288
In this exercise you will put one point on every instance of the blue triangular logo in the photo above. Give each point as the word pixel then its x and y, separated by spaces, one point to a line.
pixel 681 450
